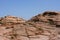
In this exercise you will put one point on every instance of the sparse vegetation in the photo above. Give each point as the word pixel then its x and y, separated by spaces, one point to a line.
pixel 1 22
pixel 51 21
pixel 58 26
pixel 40 29
pixel 49 13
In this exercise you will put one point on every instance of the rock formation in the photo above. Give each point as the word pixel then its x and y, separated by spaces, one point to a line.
pixel 45 26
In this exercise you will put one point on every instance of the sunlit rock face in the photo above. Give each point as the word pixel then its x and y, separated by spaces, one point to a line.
pixel 8 20
pixel 45 26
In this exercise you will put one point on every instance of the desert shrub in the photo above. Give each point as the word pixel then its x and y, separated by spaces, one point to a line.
pixel 51 21
pixel 1 22
pixel 40 29
pixel 49 13
pixel 45 13
pixel 57 26
pixel 12 37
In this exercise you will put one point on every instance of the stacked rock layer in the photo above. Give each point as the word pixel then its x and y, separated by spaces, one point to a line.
pixel 45 26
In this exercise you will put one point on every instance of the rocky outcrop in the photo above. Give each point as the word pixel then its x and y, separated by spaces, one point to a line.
pixel 50 21
pixel 45 26
pixel 8 20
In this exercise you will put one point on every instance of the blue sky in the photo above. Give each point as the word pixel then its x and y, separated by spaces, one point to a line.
pixel 27 8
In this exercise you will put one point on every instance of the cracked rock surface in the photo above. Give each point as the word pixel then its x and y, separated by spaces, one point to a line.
pixel 45 26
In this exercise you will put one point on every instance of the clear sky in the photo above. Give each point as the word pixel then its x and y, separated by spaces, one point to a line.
pixel 27 8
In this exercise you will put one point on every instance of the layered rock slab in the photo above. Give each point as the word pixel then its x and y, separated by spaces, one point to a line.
pixel 44 26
